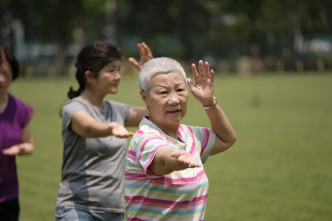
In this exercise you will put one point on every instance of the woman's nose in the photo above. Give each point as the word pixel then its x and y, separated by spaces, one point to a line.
pixel 117 75
pixel 2 77
pixel 174 99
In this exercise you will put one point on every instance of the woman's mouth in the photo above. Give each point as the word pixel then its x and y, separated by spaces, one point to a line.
pixel 174 109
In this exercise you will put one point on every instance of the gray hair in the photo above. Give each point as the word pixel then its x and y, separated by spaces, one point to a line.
pixel 157 66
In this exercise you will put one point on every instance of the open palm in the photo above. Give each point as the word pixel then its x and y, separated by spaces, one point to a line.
pixel 203 87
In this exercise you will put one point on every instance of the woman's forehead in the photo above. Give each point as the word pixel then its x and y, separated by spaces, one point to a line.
pixel 168 77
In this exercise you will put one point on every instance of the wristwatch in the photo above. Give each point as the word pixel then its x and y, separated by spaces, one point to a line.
pixel 215 102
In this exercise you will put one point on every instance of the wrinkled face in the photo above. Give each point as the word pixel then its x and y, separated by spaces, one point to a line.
pixel 6 77
pixel 167 99
pixel 109 78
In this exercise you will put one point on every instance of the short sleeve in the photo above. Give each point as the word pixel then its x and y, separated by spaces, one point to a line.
pixel 147 146
pixel 28 115
pixel 24 112
pixel 68 111
pixel 207 139
pixel 123 109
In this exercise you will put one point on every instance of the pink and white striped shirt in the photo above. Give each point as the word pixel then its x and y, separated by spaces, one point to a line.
pixel 180 195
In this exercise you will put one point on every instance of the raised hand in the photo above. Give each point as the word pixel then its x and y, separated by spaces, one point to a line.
pixel 203 87
pixel 119 130
pixel 145 55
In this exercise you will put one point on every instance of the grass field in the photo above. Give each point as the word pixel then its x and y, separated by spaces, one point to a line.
pixel 280 169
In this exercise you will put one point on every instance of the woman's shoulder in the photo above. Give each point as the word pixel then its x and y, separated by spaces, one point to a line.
pixel 116 104
pixel 73 105
pixel 119 108
pixel 194 130
pixel 24 110
pixel 21 105
pixel 77 101
pixel 147 130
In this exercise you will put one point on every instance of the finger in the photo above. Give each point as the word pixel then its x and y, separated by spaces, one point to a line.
pixel 195 165
pixel 212 75
pixel 192 165
pixel 147 49
pixel 194 71
pixel 133 61
pixel 201 69
pixel 191 84
pixel 207 69
pixel 10 152
pixel 124 135
pixel 140 49
pixel 177 153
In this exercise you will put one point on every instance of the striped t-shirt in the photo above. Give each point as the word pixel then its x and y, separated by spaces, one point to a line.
pixel 180 195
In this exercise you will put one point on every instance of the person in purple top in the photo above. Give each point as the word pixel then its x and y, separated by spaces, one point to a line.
pixel 15 136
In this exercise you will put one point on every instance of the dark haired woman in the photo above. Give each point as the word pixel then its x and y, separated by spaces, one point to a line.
pixel 15 136
pixel 94 137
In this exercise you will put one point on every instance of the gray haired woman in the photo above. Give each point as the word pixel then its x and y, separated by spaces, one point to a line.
pixel 164 176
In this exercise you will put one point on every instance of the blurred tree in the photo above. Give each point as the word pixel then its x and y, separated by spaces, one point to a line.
pixel 10 10
pixel 189 29
pixel 151 21
pixel 63 22
pixel 58 21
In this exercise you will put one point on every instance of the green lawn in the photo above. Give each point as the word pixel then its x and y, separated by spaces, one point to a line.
pixel 280 169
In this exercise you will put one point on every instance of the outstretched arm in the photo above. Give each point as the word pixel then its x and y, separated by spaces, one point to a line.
pixel 202 90
pixel 145 55
pixel 86 126
pixel 136 115
pixel 167 160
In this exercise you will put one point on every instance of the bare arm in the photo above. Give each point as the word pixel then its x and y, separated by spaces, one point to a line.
pixel 167 160
pixel 136 115
pixel 203 92
pixel 25 148
pixel 223 128
pixel 86 126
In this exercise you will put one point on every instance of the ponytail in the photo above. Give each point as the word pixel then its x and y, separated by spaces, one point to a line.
pixel 72 93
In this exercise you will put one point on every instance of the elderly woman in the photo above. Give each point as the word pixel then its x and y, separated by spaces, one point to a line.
pixel 164 176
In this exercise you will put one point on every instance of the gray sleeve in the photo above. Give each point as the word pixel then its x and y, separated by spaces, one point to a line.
pixel 68 111
pixel 122 109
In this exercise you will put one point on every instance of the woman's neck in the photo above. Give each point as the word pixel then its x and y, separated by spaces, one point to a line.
pixel 92 98
pixel 3 102
pixel 170 131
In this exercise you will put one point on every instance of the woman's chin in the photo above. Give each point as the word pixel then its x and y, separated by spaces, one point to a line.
pixel 114 91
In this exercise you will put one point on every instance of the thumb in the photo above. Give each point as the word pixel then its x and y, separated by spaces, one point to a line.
pixel 191 84
pixel 133 61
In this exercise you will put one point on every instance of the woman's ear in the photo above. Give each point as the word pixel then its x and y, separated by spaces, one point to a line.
pixel 89 76
pixel 144 97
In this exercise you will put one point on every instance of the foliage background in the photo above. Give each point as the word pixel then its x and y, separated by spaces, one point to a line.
pixel 284 35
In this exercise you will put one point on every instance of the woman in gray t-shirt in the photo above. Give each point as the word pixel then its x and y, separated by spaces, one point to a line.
pixel 94 137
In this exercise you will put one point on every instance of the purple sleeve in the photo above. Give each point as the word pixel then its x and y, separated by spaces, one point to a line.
pixel 25 113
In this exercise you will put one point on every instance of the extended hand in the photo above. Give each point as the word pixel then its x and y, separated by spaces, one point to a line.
pixel 119 130
pixel 12 151
pixel 186 158
pixel 204 83
pixel 145 55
